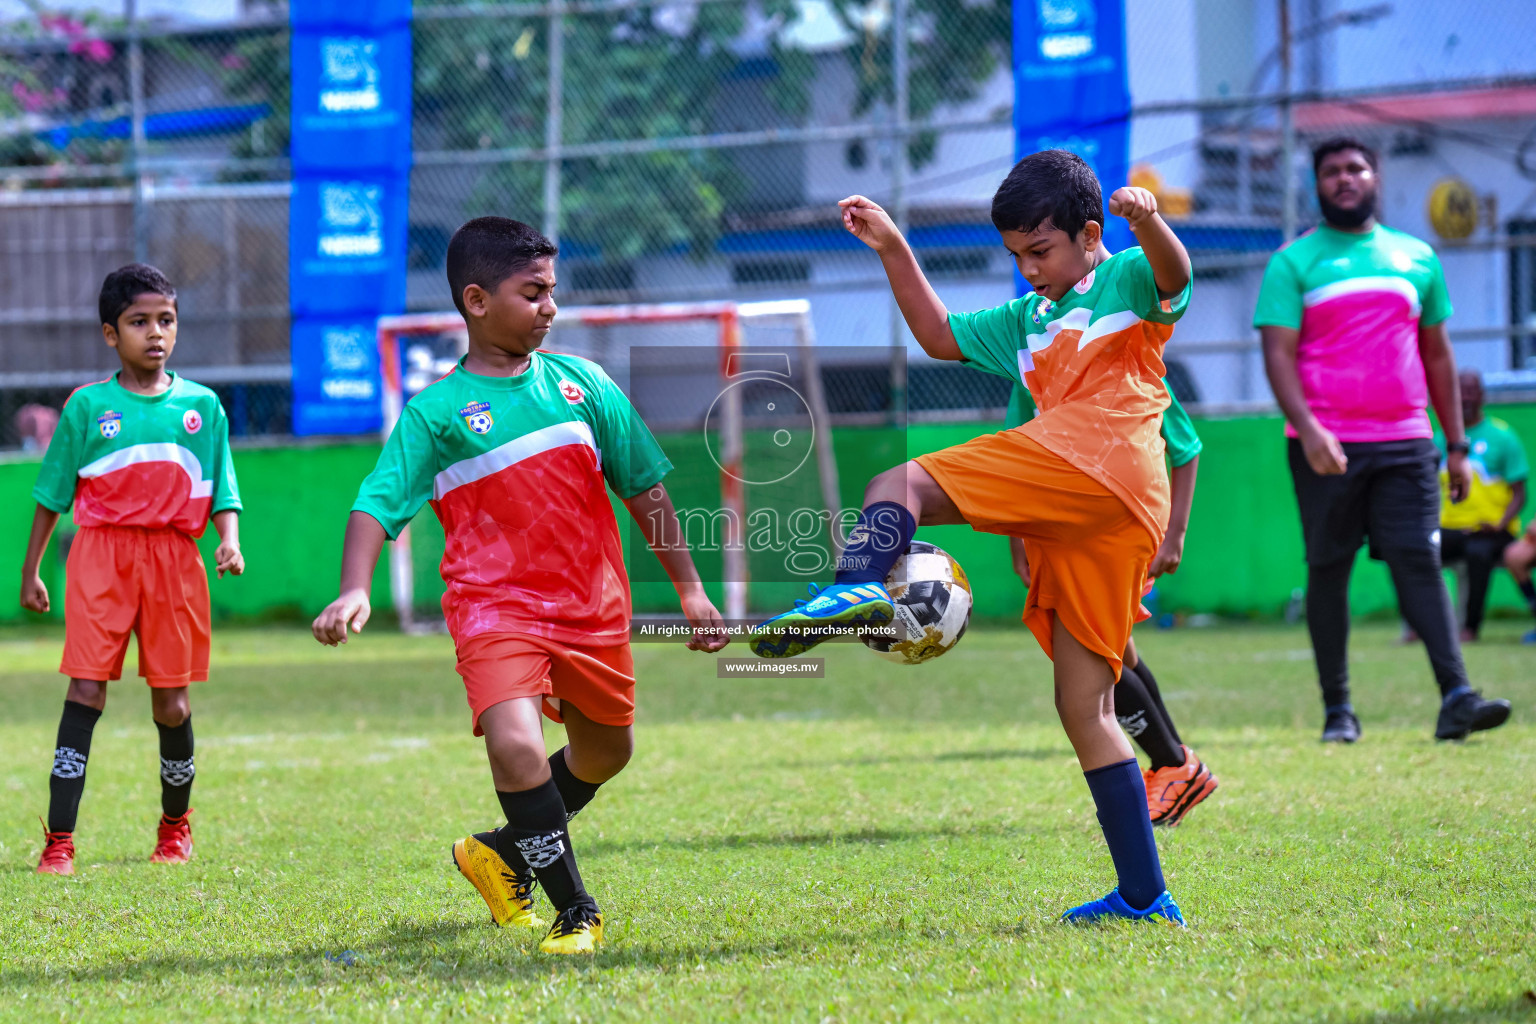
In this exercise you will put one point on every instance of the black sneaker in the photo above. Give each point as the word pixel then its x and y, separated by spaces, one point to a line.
pixel 1341 727
pixel 1470 713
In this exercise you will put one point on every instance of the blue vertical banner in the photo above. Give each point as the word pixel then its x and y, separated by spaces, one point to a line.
pixel 347 218
pixel 1070 89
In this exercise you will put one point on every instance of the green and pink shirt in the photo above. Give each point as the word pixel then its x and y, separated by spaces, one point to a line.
pixel 126 459
pixel 515 468
pixel 1358 301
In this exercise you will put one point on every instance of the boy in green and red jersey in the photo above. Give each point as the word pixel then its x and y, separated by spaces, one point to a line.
pixel 515 449
pixel 144 458
pixel 1177 780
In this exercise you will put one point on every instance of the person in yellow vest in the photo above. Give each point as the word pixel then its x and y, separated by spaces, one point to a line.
pixel 1477 531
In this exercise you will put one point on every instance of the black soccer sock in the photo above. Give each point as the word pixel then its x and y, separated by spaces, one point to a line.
pixel 1121 800
pixel 576 793
pixel 1528 591
pixel 881 535
pixel 1426 605
pixel 1145 672
pixel 1145 722
pixel 176 767
pixel 1328 624
pixel 535 831
pixel 67 782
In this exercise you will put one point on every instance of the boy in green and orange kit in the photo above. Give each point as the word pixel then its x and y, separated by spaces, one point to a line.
pixel 1082 484
pixel 144 458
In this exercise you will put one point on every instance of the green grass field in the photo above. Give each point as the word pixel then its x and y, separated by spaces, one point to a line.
pixel 884 844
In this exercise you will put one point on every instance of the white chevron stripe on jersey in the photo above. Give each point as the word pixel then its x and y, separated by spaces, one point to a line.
pixel 1357 285
pixel 159 451
pixel 505 456
pixel 1071 320
pixel 1109 323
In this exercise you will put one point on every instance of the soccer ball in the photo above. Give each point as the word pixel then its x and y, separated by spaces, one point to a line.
pixel 932 601
pixel 479 422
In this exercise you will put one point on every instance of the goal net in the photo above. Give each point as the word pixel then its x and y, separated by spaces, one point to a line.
pixel 734 394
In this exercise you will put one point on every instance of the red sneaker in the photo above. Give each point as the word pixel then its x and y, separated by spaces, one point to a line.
pixel 58 853
pixel 174 842
pixel 1173 792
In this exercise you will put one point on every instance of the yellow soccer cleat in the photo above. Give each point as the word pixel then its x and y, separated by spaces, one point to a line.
pixel 508 893
pixel 577 929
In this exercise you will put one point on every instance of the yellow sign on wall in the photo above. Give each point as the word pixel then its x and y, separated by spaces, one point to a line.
pixel 1453 208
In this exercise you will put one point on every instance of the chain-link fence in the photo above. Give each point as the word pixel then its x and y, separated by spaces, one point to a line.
pixel 695 149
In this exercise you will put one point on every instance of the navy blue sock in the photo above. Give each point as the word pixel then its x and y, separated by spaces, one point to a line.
pixel 1121 798
pixel 882 534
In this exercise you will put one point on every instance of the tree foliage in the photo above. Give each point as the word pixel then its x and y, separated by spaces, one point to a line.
pixel 650 72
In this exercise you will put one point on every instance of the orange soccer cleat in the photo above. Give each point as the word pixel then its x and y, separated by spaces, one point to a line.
pixel 173 844
pixel 58 853
pixel 1171 792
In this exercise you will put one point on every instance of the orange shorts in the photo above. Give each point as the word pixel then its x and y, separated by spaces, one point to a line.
pixel 129 579
pixel 598 681
pixel 1088 555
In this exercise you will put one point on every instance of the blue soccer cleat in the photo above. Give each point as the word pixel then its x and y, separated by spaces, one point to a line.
pixel 1163 910
pixel 838 609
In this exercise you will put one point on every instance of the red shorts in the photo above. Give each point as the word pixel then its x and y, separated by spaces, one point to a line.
pixel 598 681
pixel 128 579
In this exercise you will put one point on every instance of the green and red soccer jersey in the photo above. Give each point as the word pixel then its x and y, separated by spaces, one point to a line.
pixel 514 468
pixel 126 459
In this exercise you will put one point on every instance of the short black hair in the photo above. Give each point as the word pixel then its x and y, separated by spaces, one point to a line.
pixel 488 250
pixel 125 284
pixel 1338 144
pixel 1051 185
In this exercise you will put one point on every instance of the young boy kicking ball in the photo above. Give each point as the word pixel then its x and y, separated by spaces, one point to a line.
pixel 1083 483
pixel 513 450
pixel 144 458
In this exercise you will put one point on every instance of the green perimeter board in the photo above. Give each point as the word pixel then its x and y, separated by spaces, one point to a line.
pixel 1243 556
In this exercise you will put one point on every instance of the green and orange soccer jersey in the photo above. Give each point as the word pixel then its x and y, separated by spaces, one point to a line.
pixel 514 468
pixel 126 459
pixel 1093 362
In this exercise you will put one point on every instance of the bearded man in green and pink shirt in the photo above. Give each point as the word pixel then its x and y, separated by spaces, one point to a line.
pixel 1353 320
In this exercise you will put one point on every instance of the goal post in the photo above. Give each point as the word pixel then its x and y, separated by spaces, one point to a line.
pixel 419 348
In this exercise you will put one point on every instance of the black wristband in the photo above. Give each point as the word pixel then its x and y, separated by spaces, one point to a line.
pixel 1461 447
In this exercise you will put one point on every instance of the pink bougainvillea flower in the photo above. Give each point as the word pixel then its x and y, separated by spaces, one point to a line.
pixel 233 62
pixel 97 51
pixel 29 100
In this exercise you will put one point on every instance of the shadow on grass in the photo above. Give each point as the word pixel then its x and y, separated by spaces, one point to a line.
pixel 1036 754
pixel 1521 1007
pixel 435 952
pixel 868 836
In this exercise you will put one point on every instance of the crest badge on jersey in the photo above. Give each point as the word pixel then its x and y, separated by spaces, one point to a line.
pixel 110 424
pixel 477 417
pixel 192 420
pixel 572 391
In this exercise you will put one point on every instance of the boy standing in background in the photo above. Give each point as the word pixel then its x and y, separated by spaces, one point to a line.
pixel 144 458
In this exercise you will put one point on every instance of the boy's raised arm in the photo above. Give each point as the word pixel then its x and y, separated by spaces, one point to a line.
pixel 653 513
pixel 924 313
pixel 359 555
pixel 1165 253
